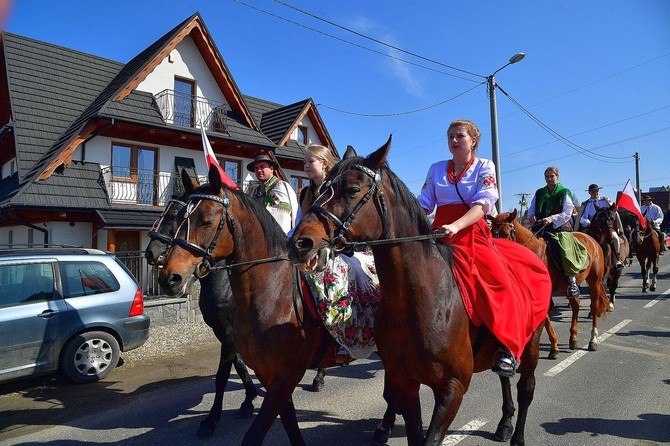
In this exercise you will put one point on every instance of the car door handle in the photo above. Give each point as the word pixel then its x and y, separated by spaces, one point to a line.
pixel 48 313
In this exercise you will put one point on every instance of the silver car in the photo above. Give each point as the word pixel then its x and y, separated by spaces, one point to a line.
pixel 68 309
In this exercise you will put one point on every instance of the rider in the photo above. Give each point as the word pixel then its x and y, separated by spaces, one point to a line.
pixel 347 292
pixel 276 195
pixel 590 210
pixel 654 213
pixel 550 212
pixel 503 277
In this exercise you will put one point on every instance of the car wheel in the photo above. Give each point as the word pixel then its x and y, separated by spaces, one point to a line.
pixel 90 356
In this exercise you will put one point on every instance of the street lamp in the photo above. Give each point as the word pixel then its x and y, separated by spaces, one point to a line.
pixel 494 124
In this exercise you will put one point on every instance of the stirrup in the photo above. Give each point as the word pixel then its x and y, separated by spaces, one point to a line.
pixel 506 365
pixel 573 290
pixel 619 264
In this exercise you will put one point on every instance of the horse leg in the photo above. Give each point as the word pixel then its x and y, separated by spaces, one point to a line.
pixel 384 428
pixel 250 393
pixel 318 383
pixel 574 304
pixel 447 402
pixel 208 425
pixel 654 272
pixel 645 279
pixel 505 429
pixel 277 400
pixel 553 338
pixel 526 386
pixel 289 420
pixel 408 403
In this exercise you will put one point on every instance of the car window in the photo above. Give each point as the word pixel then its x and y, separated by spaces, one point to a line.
pixel 26 282
pixel 87 278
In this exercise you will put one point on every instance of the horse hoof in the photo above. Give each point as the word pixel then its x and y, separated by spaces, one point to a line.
pixel 652 288
pixel 381 436
pixel 206 429
pixel 504 433
pixel 317 386
pixel 593 346
pixel 245 411
pixel 553 354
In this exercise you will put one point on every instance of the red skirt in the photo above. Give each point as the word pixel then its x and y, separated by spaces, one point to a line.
pixel 504 285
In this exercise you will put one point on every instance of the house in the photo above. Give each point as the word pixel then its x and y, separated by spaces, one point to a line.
pixel 91 149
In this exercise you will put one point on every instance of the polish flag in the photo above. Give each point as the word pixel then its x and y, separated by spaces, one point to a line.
pixel 211 159
pixel 628 201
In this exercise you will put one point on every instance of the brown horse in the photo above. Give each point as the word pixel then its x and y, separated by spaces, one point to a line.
pixel 647 247
pixel 422 320
pixel 506 225
pixel 601 227
pixel 274 332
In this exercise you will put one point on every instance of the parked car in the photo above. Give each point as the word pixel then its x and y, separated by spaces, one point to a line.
pixel 68 309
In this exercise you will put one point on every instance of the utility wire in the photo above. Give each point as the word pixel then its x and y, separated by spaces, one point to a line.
pixel 586 152
pixel 418 56
pixel 409 112
pixel 372 50
pixel 591 130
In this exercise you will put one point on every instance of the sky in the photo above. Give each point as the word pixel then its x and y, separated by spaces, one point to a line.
pixel 592 91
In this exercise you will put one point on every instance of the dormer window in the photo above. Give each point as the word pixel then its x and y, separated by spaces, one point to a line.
pixel 301 137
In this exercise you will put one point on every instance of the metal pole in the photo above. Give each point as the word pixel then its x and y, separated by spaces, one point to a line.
pixel 637 177
pixel 494 139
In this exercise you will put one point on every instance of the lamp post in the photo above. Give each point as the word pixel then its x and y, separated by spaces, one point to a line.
pixel 494 124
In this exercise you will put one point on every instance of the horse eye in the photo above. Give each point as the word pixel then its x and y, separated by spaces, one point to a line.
pixel 353 191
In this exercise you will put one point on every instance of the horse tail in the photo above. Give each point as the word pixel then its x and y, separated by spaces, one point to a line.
pixel 603 301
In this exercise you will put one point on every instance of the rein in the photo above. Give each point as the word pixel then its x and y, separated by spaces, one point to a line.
pixel 155 231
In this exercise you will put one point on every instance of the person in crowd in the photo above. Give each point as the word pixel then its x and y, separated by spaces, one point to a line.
pixel 654 213
pixel 464 190
pixel 591 208
pixel 275 194
pixel 549 212
pixel 347 292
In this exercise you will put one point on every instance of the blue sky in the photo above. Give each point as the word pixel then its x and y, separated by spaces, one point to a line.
pixel 595 78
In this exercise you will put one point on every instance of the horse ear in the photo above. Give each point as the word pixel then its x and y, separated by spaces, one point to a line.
pixel 378 157
pixel 349 153
pixel 214 177
pixel 512 215
pixel 189 183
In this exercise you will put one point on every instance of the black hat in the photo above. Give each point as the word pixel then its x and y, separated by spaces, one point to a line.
pixel 262 159
pixel 647 197
pixel 593 186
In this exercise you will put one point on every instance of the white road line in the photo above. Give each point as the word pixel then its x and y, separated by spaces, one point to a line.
pixel 558 368
pixel 463 433
pixel 657 300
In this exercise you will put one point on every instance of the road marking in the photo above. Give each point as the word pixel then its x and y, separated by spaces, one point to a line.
pixel 463 433
pixel 578 354
pixel 657 300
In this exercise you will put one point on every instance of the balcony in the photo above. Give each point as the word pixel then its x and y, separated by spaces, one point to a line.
pixel 193 111
pixel 141 187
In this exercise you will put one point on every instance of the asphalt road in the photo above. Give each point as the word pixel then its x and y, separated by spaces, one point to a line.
pixel 616 396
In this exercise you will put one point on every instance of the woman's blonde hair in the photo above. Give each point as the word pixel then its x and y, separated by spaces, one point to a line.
pixel 323 154
pixel 471 128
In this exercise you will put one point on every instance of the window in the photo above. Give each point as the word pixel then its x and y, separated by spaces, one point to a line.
pixel 136 165
pixel 26 282
pixel 302 135
pixel 232 168
pixel 86 278
pixel 298 183
pixel 184 102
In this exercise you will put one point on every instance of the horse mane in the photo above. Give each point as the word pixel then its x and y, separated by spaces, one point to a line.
pixel 406 200
pixel 275 238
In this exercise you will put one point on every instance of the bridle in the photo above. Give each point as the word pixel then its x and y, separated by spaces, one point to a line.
pixel 208 260
pixel 496 230
pixel 340 236
pixel 155 231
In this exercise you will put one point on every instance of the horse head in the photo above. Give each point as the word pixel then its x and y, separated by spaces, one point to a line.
pixel 165 227
pixel 354 208
pixel 502 226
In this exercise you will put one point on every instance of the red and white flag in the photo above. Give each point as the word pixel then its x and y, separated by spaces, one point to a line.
pixel 211 159
pixel 628 201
